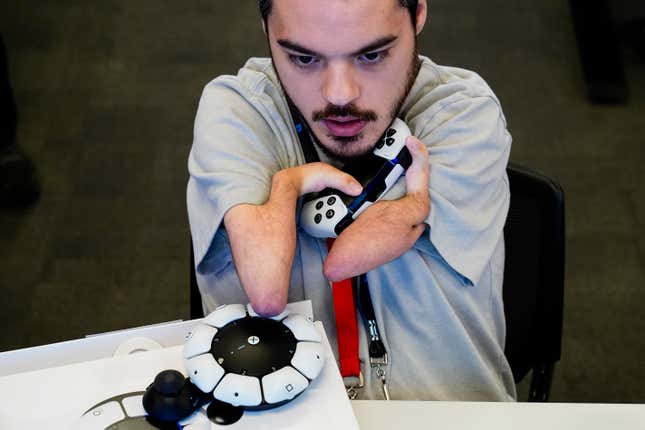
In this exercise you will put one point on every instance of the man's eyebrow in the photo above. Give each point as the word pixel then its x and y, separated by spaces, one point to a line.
pixel 293 46
pixel 376 45
pixel 373 46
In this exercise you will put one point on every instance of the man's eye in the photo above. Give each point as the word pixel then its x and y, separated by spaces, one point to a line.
pixel 302 60
pixel 372 57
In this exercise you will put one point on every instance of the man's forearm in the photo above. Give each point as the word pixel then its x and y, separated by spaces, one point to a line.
pixel 263 239
pixel 381 234
pixel 386 229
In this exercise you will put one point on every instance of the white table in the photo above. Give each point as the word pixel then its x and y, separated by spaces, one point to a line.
pixel 382 415
pixel 371 415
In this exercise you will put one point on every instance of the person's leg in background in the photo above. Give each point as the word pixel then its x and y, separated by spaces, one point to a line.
pixel 18 181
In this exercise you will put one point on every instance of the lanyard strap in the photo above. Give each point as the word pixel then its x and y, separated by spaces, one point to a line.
pixel 342 291
pixel 303 135
pixel 344 301
pixel 376 349
pixel 346 326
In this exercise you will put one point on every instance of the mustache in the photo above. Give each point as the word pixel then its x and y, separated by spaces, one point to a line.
pixel 341 111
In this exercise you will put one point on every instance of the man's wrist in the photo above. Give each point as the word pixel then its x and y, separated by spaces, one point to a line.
pixel 285 185
pixel 416 207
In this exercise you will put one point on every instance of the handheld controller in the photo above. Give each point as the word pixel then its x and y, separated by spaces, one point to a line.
pixel 238 360
pixel 329 212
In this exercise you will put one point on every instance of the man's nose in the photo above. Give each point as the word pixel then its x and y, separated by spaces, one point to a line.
pixel 340 86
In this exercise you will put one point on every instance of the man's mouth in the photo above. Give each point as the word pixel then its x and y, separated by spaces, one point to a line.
pixel 344 126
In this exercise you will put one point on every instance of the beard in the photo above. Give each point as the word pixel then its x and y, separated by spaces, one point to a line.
pixel 344 152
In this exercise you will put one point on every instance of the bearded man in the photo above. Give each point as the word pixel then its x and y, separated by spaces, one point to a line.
pixel 432 250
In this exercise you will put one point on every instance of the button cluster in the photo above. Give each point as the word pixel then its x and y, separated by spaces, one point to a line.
pixel 280 384
pixel 329 214
pixel 388 140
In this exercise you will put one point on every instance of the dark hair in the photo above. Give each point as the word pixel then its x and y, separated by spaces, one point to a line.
pixel 410 5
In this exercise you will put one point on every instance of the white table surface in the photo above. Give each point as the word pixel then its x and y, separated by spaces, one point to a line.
pixel 382 415
pixel 371 415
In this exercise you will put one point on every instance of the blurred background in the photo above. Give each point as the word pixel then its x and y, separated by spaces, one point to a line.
pixel 107 92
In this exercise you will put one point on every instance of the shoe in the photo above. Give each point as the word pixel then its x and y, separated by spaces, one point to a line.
pixel 18 182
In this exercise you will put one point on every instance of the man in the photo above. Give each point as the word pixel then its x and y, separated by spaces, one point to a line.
pixel 433 251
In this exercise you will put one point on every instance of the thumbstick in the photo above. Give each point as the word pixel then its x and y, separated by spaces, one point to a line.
pixel 171 397
pixel 169 382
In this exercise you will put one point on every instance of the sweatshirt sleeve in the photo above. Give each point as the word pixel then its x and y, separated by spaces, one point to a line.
pixel 238 145
pixel 469 147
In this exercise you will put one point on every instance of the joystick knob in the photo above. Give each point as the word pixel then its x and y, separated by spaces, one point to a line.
pixel 169 382
pixel 171 397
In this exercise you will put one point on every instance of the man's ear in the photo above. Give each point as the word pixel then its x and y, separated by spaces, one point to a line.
pixel 264 27
pixel 422 15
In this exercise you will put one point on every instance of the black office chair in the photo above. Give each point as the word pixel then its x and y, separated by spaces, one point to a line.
pixel 534 278
pixel 196 309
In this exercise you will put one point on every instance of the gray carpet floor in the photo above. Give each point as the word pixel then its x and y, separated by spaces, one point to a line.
pixel 107 93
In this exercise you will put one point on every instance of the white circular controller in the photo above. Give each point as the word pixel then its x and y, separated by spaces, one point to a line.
pixel 251 361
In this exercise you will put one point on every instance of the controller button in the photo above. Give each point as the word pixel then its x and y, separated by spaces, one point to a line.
pixel 319 205
pixel 380 143
pixel 391 132
pixel 278 317
pixel 318 218
pixel 225 314
pixel 389 141
pixel 302 328
pixel 309 359
pixel 331 201
pixel 204 372
pixel 199 340
pixel 103 416
pixel 283 384
pixel 239 390
pixel 330 214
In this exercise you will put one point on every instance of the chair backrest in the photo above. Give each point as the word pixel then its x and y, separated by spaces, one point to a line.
pixel 196 309
pixel 534 278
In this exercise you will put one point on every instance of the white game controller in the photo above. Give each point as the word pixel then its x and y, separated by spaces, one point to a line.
pixel 236 360
pixel 328 213
pixel 250 361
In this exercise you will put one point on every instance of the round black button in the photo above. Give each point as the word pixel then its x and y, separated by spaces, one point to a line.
pixel 380 143
pixel 391 132
pixel 318 218
pixel 330 214
pixel 331 201
pixel 224 413
pixel 319 205
pixel 389 141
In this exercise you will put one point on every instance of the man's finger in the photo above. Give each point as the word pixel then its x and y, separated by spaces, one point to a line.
pixel 317 176
pixel 345 183
pixel 417 174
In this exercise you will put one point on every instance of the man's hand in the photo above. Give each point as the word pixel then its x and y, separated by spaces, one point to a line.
pixel 386 229
pixel 314 177
pixel 263 237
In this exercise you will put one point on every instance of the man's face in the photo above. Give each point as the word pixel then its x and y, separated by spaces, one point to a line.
pixel 347 65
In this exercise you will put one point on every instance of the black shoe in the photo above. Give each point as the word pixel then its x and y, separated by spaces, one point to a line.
pixel 18 182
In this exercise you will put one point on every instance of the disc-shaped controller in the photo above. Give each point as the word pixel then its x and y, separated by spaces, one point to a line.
pixel 250 361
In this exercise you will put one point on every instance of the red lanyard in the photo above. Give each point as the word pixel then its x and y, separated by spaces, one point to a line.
pixel 346 325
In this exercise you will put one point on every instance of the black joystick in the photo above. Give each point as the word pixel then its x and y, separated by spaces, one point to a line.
pixel 172 397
